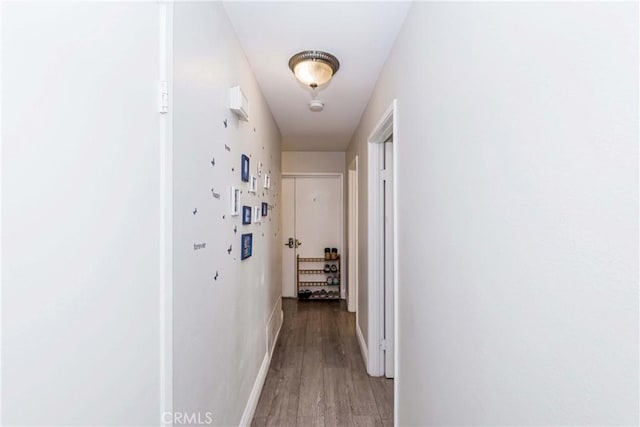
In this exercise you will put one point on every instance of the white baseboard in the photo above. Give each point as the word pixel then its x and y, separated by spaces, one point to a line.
pixel 252 403
pixel 363 346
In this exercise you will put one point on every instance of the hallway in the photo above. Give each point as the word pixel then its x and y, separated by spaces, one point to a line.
pixel 317 376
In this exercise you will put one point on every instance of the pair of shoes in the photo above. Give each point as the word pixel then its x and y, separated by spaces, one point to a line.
pixel 327 268
pixel 333 268
pixel 327 253
pixel 333 280
pixel 304 294
pixel 334 253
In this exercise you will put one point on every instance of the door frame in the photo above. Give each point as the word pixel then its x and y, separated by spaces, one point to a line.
pixel 375 151
pixel 329 175
pixel 352 247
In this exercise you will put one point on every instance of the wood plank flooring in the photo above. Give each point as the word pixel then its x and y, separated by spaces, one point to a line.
pixel 317 376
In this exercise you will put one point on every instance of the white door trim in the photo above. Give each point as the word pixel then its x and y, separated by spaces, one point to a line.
pixel 375 149
pixel 352 248
pixel 329 175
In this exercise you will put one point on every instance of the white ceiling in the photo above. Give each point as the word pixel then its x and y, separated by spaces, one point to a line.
pixel 360 34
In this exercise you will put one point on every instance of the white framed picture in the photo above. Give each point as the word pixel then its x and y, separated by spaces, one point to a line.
pixel 234 208
pixel 267 180
pixel 257 214
pixel 253 184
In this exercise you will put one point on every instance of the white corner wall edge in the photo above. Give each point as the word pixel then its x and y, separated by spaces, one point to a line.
pixel 362 345
pixel 252 403
pixel 165 20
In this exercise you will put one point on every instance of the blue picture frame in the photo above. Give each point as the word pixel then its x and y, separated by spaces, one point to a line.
pixel 265 208
pixel 246 245
pixel 244 168
pixel 246 215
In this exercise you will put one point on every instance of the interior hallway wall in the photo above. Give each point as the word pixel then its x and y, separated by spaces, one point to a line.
pixel 313 162
pixel 81 217
pixel 226 310
pixel 517 212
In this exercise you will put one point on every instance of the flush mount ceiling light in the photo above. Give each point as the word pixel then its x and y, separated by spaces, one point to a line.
pixel 314 67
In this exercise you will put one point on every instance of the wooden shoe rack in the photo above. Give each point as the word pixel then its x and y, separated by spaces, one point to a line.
pixel 311 277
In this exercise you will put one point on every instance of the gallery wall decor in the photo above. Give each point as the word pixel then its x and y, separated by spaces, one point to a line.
pixel 253 184
pixel 234 208
pixel 246 215
pixel 244 168
pixel 257 214
pixel 265 208
pixel 267 181
pixel 247 245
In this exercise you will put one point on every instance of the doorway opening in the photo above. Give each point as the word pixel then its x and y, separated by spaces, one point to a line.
pixel 312 221
pixel 382 145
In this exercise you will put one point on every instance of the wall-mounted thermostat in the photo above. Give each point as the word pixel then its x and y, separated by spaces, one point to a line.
pixel 238 103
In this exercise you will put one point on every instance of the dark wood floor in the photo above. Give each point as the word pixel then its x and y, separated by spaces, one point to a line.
pixel 317 376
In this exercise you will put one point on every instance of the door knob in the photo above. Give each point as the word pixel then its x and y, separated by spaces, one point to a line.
pixel 298 243
pixel 290 243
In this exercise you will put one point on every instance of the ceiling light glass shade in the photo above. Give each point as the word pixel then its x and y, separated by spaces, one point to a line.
pixel 314 68
pixel 313 73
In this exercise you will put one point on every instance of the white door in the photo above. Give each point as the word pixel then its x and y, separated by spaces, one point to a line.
pixel 312 219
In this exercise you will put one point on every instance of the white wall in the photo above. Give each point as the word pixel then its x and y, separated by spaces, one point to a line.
pixel 81 226
pixel 313 161
pixel 517 155
pixel 220 326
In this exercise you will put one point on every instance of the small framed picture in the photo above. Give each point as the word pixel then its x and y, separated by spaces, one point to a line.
pixel 257 214
pixel 244 170
pixel 267 180
pixel 253 184
pixel 246 245
pixel 265 208
pixel 235 201
pixel 246 214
